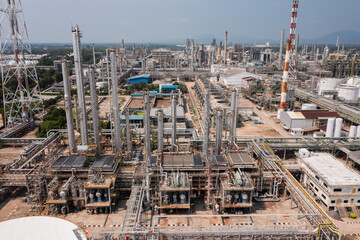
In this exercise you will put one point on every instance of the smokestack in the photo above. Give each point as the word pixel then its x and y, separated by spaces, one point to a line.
pixel 281 47
pixel 206 124
pixel 225 46
pixel 76 35
pixel 122 43
pixel 95 109
pixel 147 126
pixel 173 116
pixel 285 80
pixel 116 111
pixel 128 134
pixel 160 131
pixel 219 130
pixel 68 107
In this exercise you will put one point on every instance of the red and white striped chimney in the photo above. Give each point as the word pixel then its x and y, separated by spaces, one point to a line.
pixel 285 80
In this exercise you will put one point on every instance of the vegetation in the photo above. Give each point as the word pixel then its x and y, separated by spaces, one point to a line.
pixel 48 77
pixel 105 124
pixel 141 87
pixel 51 101
pixel 182 87
pixel 54 119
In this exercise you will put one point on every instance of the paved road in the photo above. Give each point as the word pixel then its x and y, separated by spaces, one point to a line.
pixel 267 119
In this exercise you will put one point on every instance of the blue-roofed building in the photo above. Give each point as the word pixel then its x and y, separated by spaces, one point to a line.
pixel 140 79
pixel 167 88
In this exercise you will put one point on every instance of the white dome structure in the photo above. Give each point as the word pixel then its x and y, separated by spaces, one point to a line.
pixel 40 228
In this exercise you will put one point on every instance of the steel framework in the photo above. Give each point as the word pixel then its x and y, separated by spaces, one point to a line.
pixel 21 95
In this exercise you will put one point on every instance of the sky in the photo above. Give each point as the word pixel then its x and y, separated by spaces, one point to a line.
pixel 171 20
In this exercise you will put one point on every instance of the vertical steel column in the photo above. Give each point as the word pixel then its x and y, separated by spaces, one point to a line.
pixel 225 46
pixel 160 131
pixel 219 130
pixel 68 107
pixel 94 109
pixel 128 135
pixel 281 47
pixel 173 116
pixel 76 35
pixel 206 124
pixel 109 92
pixel 116 111
pixel 147 125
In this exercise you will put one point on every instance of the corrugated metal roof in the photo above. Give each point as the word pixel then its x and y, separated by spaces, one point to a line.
pixel 318 114
pixel 140 76
pixel 295 115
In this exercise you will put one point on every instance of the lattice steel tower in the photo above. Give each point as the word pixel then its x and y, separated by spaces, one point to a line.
pixel 21 92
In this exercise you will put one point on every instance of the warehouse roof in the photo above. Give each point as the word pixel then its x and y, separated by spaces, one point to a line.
pixel 331 170
pixel 318 114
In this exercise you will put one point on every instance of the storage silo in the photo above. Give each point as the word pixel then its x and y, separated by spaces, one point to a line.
pixel 338 126
pixel 330 127
pixel 348 92
pixel 358 132
pixel 352 133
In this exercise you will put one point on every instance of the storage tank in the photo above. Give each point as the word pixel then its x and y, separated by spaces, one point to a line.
pixel 182 198
pixel 348 92
pixel 244 197
pixel 91 196
pixel 352 133
pixel 174 198
pixel 330 128
pixel 98 195
pixel 63 195
pixel 358 132
pixel 308 106
pixel 237 197
pixel 327 84
pixel 338 126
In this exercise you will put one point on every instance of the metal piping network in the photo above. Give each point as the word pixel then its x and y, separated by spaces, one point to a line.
pixel 68 107
pixel 128 135
pixel 173 116
pixel 283 106
pixel 95 109
pixel 160 132
pixel 116 111
pixel 76 35
pixel 219 130
pixel 206 124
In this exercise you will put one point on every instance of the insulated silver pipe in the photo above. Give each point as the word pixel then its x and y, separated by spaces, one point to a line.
pixel 68 107
pixel 116 111
pixel 94 109
pixel 173 116
pixel 76 35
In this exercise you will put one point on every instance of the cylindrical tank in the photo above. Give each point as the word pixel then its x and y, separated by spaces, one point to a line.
pixel 182 198
pixel 106 196
pixel 352 133
pixel 63 195
pixel 348 92
pixel 91 196
pixel 308 106
pixel 338 126
pixel 98 195
pixel 244 197
pixel 358 132
pixel 229 198
pixel 237 197
pixel 52 195
pixel 217 207
pixel 330 127
pixel 174 198
pixel 327 84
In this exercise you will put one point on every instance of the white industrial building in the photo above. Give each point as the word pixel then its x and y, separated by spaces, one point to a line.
pixel 236 80
pixel 330 180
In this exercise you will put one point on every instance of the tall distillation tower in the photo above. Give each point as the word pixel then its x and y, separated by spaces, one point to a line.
pixel 20 86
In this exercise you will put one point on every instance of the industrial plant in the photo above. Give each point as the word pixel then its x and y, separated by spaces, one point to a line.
pixel 215 140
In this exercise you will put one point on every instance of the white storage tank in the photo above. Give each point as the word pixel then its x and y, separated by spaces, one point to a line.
pixel 330 127
pixel 358 132
pixel 338 126
pixel 308 106
pixel 327 84
pixel 348 92
pixel 352 133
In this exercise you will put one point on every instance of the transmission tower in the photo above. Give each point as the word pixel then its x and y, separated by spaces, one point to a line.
pixel 21 92
pixel 294 14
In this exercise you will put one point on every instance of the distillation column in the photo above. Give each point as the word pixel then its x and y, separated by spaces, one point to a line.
pixel 147 142
pixel 219 130
pixel 206 124
pixel 234 100
pixel 116 111
pixel 160 131
pixel 95 109
pixel 225 46
pixel 76 35
pixel 173 116
pixel 68 107
pixel 281 47
pixel 128 135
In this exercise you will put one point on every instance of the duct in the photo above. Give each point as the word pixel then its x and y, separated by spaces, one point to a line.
pixel 128 134
pixel 76 35
pixel 206 124
pixel 219 130
pixel 68 107
pixel 116 111
pixel 173 116
pixel 160 131
pixel 147 126
pixel 94 109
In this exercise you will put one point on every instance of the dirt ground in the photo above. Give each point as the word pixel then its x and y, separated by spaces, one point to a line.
pixel 8 154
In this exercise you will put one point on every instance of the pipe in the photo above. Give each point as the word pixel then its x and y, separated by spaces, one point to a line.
pixel 68 107
pixel 206 124
pixel 283 105
pixel 116 111
pixel 160 131
pixel 128 135
pixel 76 35
pixel 281 47
pixel 173 116
pixel 219 130
pixel 94 109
